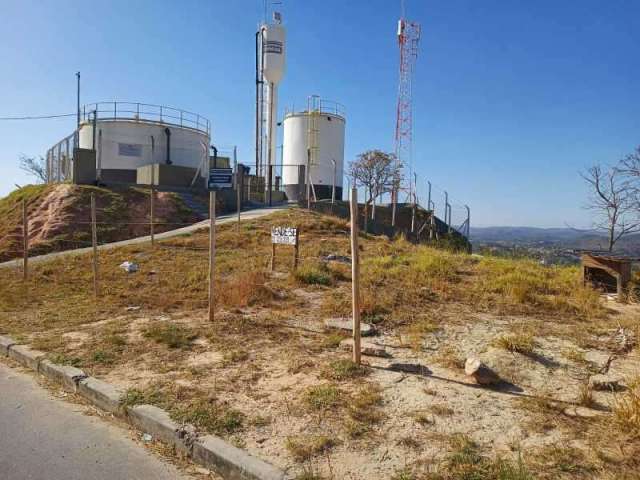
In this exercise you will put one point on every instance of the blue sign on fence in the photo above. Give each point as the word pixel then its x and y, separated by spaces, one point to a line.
pixel 220 178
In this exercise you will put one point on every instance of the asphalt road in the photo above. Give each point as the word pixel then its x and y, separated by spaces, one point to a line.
pixel 221 220
pixel 46 438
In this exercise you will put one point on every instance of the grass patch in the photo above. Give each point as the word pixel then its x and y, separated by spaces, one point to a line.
pixel 523 343
pixel 323 397
pixel 303 448
pixel 313 275
pixel 626 408
pixel 450 357
pixel 170 334
pixel 341 370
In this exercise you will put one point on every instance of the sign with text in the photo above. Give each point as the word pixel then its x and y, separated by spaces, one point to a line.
pixel 284 235
pixel 220 178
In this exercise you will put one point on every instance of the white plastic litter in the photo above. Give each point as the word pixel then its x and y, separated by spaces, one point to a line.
pixel 129 267
pixel 146 437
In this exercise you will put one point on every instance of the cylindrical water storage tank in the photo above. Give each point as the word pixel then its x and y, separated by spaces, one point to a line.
pixel 273 36
pixel 129 136
pixel 317 133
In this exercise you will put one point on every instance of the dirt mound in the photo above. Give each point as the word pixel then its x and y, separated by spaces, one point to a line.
pixel 60 216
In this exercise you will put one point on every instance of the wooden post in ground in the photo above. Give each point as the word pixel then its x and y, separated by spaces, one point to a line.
pixel 296 250
pixel 239 184
pixel 151 219
pixel 355 276
pixel 25 241
pixel 273 256
pixel 94 243
pixel 212 252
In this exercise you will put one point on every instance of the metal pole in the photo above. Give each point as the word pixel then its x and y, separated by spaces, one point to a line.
pixel 429 201
pixel 446 203
pixel 413 207
pixel 394 195
pixel 468 221
pixel 269 183
pixel 355 276
pixel 151 215
pixel 94 243
pixel 333 186
pixel 308 177
pixel 93 135
pixel 212 252
pixel 239 184
pixel 25 241
pixel 77 144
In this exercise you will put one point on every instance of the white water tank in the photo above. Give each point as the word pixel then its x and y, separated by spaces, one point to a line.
pixel 273 36
pixel 319 131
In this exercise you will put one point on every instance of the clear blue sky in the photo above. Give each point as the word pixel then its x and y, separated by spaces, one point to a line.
pixel 512 98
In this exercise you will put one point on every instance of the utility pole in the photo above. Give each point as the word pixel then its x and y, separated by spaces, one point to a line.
pixel 78 110
pixel 308 179
pixel 212 252
pixel 468 221
pixel 333 187
pixel 429 201
pixel 355 276
pixel 446 207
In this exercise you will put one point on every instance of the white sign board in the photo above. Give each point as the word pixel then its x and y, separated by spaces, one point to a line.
pixel 284 235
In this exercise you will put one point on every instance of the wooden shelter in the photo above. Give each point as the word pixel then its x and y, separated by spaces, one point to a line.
pixel 607 270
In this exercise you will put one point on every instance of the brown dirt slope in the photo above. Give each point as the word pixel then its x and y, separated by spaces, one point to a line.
pixel 60 215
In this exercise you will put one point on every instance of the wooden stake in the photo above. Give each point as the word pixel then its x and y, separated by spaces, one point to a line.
pixel 296 249
pixel 239 194
pixel 25 241
pixel 212 252
pixel 355 276
pixel 273 256
pixel 151 220
pixel 94 243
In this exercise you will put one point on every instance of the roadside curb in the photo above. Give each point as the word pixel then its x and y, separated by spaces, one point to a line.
pixel 211 452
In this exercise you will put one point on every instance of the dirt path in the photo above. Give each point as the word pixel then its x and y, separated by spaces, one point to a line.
pixel 221 220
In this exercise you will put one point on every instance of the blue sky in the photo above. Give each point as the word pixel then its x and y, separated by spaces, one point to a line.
pixel 512 98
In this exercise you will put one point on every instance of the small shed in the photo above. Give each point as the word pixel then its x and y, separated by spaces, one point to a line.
pixel 607 270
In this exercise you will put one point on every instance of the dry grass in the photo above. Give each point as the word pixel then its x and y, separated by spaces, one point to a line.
pixel 343 369
pixel 523 343
pixel 171 334
pixel 304 447
pixel 626 409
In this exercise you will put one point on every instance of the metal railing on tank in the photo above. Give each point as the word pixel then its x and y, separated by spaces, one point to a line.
pixel 320 105
pixel 146 112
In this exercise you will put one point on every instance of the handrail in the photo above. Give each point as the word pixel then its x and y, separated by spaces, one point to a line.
pixel 146 112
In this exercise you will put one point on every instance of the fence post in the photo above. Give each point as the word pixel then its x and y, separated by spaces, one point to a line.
pixel 151 216
pixel 239 184
pixel 296 249
pixel 25 241
pixel 355 276
pixel 212 251
pixel 94 243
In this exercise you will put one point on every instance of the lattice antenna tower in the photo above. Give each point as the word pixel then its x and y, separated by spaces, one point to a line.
pixel 408 41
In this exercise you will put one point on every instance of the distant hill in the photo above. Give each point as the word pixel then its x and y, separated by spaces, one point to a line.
pixel 551 237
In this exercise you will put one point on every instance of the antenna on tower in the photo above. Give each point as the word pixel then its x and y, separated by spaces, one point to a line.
pixel 408 40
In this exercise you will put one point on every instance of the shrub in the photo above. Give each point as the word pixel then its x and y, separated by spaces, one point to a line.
pixel 516 343
pixel 626 408
pixel 313 275
pixel 344 370
pixel 322 397
pixel 304 447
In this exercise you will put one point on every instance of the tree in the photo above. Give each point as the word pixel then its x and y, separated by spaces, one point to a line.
pixel 34 166
pixel 612 198
pixel 377 172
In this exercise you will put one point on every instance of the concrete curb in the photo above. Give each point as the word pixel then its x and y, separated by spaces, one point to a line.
pixel 5 344
pixel 68 376
pixel 231 462
pixel 25 356
pixel 102 394
pixel 158 423
pixel 209 451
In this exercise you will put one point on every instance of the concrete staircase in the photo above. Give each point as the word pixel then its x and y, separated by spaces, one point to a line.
pixel 194 204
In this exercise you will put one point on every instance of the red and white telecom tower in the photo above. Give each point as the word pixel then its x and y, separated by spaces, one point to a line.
pixel 408 39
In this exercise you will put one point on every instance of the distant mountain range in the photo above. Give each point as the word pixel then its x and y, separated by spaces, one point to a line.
pixel 551 237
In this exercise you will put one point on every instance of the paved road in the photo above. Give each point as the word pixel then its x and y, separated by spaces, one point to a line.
pixel 221 220
pixel 45 438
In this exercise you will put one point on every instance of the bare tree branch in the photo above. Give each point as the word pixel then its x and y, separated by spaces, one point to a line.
pixel 34 166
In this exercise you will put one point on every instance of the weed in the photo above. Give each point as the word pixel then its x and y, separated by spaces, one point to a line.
pixel 234 356
pixel 626 408
pixel 313 275
pixel 441 410
pixel 323 397
pixel 332 340
pixel 341 370
pixel 62 359
pixel 585 395
pixel 170 334
pixel 305 447
pixel 423 418
pixel 102 357
pixel 210 415
pixel 523 343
